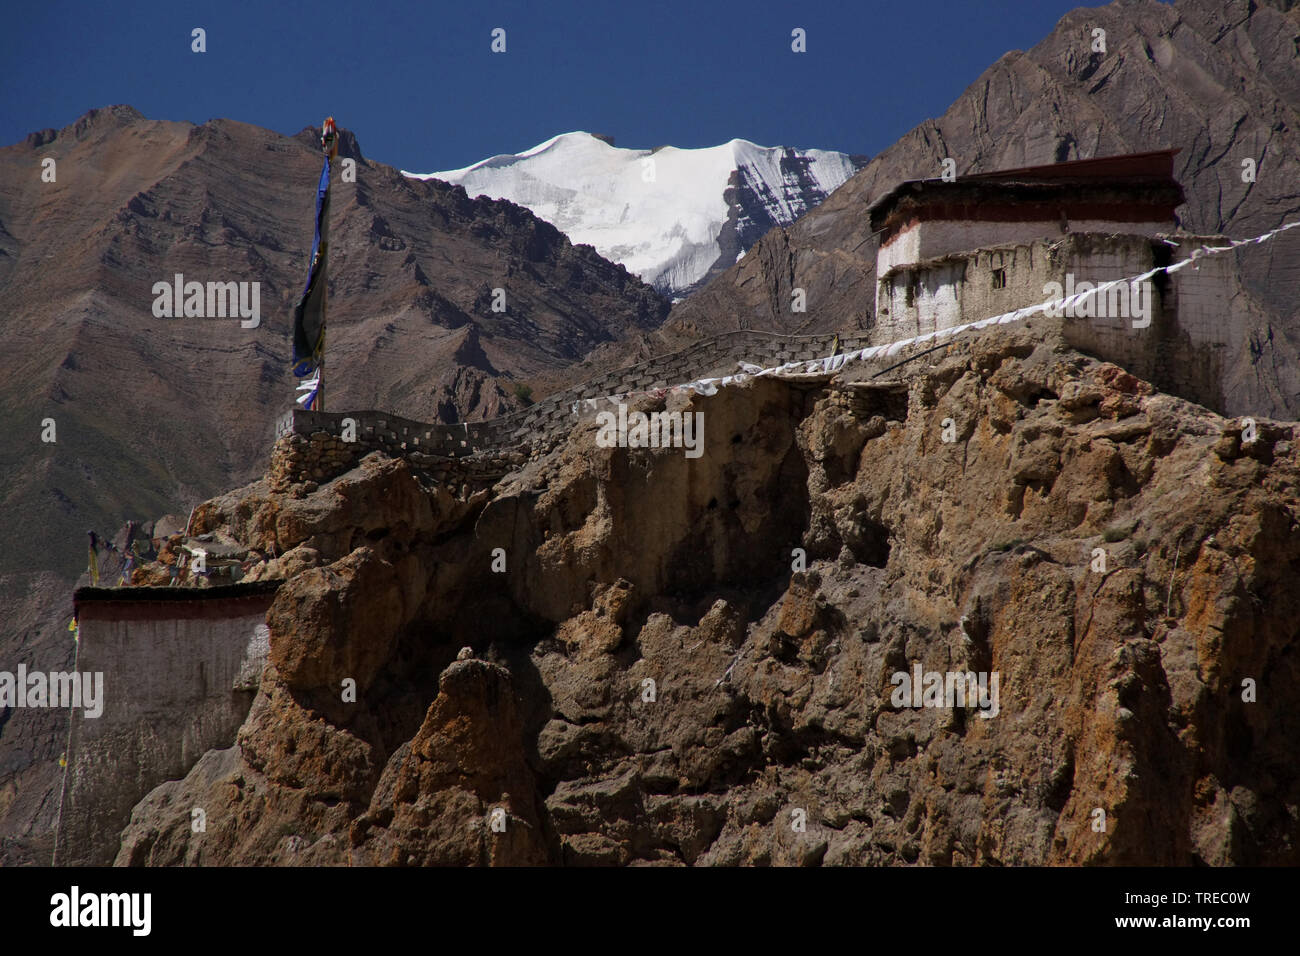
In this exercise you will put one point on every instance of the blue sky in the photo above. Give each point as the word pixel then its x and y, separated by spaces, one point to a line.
pixel 422 90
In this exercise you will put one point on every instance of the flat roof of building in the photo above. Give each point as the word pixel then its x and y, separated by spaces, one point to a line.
pixel 89 595
pixel 1133 184
pixel 1157 164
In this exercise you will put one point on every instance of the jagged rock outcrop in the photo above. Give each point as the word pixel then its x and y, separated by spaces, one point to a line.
pixel 684 659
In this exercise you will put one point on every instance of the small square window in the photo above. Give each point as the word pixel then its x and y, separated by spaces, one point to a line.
pixel 999 278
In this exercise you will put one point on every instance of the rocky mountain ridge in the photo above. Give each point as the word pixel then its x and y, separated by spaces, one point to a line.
pixel 675 217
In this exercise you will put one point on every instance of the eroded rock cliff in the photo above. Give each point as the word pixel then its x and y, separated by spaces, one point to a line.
pixel 685 659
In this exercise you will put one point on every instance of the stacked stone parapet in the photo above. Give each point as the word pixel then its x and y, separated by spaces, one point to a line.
pixel 548 419
pixel 313 447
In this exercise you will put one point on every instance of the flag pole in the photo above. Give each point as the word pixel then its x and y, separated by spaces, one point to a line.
pixel 330 144
pixel 309 314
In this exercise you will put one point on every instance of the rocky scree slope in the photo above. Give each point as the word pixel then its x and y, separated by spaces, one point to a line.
pixel 1119 690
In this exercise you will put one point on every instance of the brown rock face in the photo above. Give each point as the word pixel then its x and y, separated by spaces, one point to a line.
pixel 461 792
pixel 700 661
pixel 318 617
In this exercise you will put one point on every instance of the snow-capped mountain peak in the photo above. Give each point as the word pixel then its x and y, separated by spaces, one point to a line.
pixel 673 216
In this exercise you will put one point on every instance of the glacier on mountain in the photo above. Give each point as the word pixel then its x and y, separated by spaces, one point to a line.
pixel 672 216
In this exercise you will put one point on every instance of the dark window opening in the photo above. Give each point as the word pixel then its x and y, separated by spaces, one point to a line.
pixel 910 295
pixel 999 278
